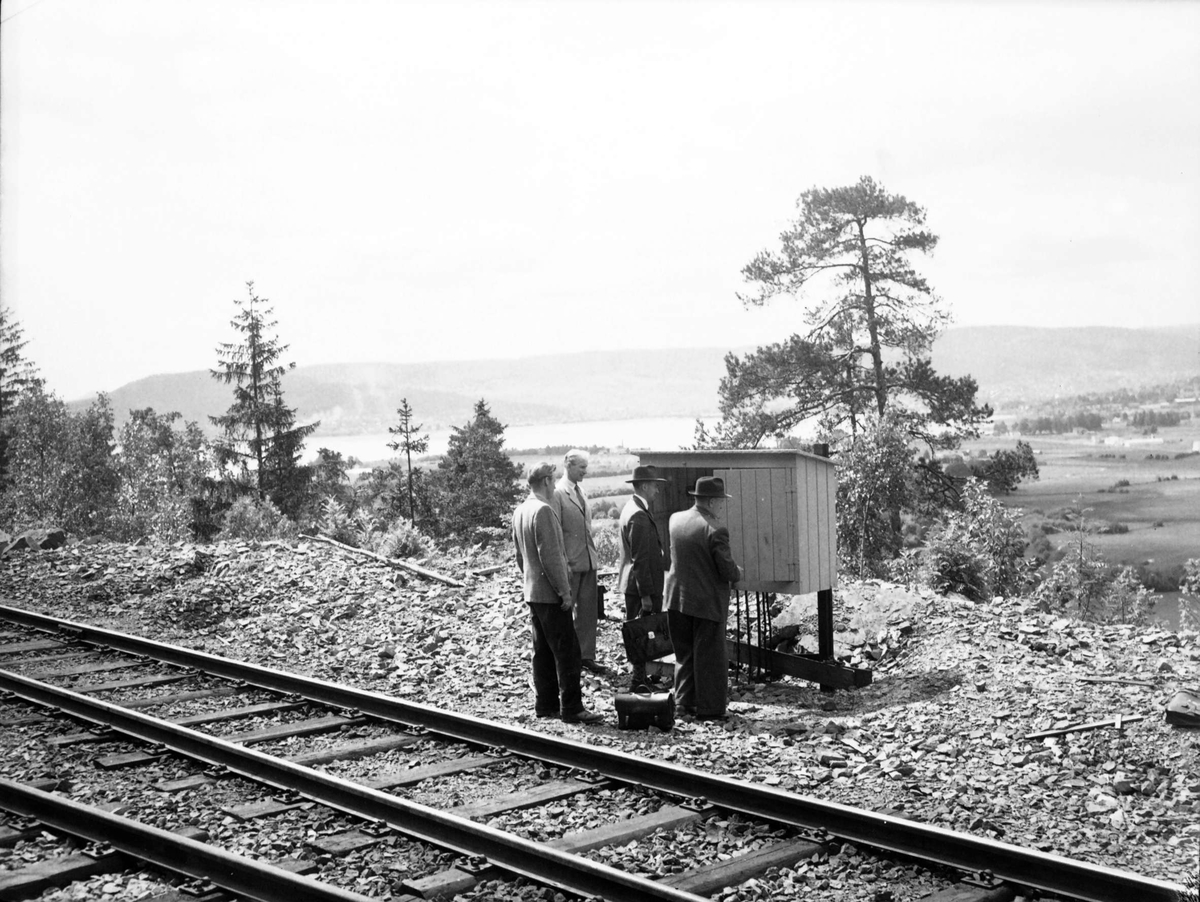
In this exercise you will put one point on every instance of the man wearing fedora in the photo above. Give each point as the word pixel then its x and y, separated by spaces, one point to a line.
pixel 642 566
pixel 697 593
pixel 540 557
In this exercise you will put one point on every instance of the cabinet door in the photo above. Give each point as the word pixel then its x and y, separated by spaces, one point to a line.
pixel 761 517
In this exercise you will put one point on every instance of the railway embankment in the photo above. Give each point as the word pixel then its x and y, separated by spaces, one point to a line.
pixel 994 719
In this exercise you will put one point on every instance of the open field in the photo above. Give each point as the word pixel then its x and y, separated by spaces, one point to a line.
pixel 1160 505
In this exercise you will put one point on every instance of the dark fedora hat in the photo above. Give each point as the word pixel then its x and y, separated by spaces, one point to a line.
pixel 710 487
pixel 645 474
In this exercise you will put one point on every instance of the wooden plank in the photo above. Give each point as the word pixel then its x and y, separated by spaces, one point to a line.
pixel 236 713
pixel 53 659
pixel 25 720
pixel 128 759
pixel 299 728
pixel 344 843
pixel 264 808
pixel 10 836
pixel 441 885
pixel 411 775
pixel 672 817
pixel 453 880
pixel 86 688
pixel 827 674
pixel 783 554
pixel 98 667
pixel 361 748
pixel 160 700
pixel 34 879
pixel 195 781
pixel 527 798
pixel 966 893
pixel 811 534
pixel 391 562
pixel 81 738
pixel 709 878
pixel 829 529
pixel 17 648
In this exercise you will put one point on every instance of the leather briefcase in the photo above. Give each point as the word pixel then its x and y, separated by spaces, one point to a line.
pixel 646 638
pixel 639 710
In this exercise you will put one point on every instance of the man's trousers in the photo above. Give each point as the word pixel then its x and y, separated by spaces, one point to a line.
pixel 701 664
pixel 583 590
pixel 556 661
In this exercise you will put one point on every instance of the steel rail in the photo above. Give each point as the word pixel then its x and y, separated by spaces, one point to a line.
pixel 1021 866
pixel 241 876
pixel 539 863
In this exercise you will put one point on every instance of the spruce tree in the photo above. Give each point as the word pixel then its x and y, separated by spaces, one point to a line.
pixel 260 438
pixel 478 481
pixel 410 441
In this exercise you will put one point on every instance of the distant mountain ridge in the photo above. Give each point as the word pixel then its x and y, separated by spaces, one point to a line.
pixel 1009 363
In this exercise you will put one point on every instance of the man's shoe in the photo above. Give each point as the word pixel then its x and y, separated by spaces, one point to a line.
pixel 554 713
pixel 584 717
pixel 589 664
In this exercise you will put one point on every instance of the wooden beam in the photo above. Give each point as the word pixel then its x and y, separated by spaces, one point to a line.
pixel 837 676
pixel 391 562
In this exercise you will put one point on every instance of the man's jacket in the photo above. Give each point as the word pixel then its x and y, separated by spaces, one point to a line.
pixel 702 566
pixel 538 539
pixel 641 551
pixel 576 528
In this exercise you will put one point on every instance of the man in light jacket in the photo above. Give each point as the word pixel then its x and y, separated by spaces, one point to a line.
pixel 572 509
pixel 537 536
pixel 641 575
pixel 697 589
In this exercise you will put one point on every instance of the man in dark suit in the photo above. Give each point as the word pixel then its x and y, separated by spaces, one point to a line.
pixel 697 594
pixel 537 536
pixel 640 578
pixel 582 559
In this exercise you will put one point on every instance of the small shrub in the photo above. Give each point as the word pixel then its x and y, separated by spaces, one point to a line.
pixel 1082 584
pixel 334 522
pixel 951 565
pixel 256 521
pixel 1121 484
pixel 402 539
pixel 608 543
pixel 979 551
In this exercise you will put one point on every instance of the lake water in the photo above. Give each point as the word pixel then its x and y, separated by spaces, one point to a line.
pixel 656 434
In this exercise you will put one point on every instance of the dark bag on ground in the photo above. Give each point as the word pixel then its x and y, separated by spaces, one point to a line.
pixel 641 709
pixel 646 638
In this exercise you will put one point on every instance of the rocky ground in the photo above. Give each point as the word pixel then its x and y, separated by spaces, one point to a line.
pixel 939 735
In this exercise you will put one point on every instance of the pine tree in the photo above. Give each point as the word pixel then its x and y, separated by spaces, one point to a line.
pixel 260 437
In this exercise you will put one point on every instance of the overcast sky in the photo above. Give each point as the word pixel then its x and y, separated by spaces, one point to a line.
pixel 456 180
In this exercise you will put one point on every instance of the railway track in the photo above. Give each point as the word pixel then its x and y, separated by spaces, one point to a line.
pixel 324 770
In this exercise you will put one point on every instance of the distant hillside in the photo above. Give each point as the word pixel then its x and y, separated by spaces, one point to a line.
pixel 1020 363
pixel 358 398
pixel 1010 363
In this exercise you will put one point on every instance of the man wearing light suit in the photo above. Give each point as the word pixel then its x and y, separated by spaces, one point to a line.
pixel 538 540
pixel 582 559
